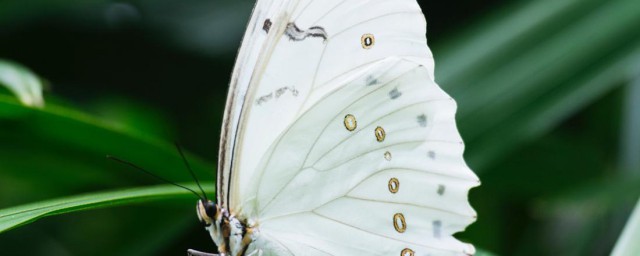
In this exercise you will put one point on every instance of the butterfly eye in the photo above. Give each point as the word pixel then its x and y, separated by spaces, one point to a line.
pixel 210 209
pixel 206 212
pixel 367 41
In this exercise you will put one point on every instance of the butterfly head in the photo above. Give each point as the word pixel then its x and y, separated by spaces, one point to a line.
pixel 206 211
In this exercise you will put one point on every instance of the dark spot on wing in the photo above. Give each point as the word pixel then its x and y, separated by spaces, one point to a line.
pixel 422 120
pixel 371 80
pixel 437 228
pixel 441 189
pixel 394 94
pixel 267 25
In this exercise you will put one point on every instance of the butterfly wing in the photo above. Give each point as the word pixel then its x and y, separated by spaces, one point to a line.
pixel 356 192
pixel 297 52
pixel 255 50
pixel 319 183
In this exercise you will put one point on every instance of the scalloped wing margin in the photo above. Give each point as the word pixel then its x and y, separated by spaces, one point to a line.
pixel 325 190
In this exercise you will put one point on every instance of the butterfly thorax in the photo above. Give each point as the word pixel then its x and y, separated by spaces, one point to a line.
pixel 231 234
pixel 239 236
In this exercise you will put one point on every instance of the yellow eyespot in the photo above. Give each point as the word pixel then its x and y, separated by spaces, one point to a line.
pixel 350 122
pixel 394 185
pixel 387 156
pixel 380 134
pixel 406 252
pixel 367 41
pixel 399 223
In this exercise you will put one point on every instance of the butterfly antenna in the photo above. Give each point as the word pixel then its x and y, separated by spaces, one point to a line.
pixel 110 157
pixel 193 175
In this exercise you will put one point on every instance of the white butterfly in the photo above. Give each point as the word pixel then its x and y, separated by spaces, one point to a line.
pixel 336 139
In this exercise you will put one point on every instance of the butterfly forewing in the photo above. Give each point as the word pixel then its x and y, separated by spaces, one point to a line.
pixel 252 54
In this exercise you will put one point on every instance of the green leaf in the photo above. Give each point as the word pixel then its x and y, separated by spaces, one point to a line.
pixel 480 252
pixel 540 115
pixel 133 114
pixel 14 12
pixel 628 244
pixel 600 197
pixel 22 82
pixel 594 202
pixel 14 217
pixel 532 65
pixel 76 143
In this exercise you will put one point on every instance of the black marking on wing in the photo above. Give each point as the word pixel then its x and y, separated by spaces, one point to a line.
pixel 264 99
pixel 294 33
pixel 285 89
pixel 267 25
pixel 371 80
pixel 441 189
pixel 432 154
pixel 422 120
pixel 277 94
pixel 437 226
pixel 394 94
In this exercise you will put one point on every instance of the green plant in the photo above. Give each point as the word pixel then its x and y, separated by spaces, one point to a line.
pixel 544 91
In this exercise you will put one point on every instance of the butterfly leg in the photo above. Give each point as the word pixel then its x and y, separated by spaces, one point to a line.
pixel 192 252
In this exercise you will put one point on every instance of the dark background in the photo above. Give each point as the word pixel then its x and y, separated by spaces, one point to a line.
pixel 562 183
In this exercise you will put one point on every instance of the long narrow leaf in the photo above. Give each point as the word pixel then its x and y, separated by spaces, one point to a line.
pixel 628 244
pixel 542 114
pixel 14 217
pixel 531 72
pixel 95 138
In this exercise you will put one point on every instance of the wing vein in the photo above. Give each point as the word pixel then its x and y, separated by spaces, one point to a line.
pixel 281 244
pixel 374 18
pixel 378 235
pixel 350 105
pixel 328 12
pixel 363 154
pixel 331 79
pixel 374 123
pixel 319 135
pixel 415 205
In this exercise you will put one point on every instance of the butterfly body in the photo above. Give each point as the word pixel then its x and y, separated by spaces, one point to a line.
pixel 231 235
pixel 336 139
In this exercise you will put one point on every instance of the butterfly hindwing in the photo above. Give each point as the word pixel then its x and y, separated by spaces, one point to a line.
pixel 320 177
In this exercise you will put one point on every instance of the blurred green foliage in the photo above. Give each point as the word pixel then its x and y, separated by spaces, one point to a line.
pixel 627 244
pixel 546 93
